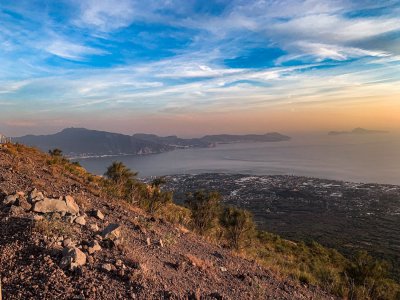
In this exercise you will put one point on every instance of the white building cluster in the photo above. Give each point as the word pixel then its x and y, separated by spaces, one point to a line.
pixel 4 139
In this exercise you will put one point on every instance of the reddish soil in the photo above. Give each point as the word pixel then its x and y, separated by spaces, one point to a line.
pixel 185 266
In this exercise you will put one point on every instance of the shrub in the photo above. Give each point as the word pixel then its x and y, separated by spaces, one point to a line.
pixel 57 157
pixel 155 199
pixel 238 226
pixel 119 174
pixel 55 152
pixel 372 276
pixel 175 214
pixel 205 209
pixel 120 179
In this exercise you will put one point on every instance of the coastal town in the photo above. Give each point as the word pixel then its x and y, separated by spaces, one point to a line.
pixel 345 215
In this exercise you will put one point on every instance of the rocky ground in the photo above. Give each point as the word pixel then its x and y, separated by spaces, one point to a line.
pixel 60 240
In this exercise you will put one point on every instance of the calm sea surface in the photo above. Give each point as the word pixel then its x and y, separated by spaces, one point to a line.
pixel 363 158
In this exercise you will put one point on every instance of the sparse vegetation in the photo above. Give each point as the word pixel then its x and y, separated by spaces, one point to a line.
pixel 238 226
pixel 55 152
pixel 154 198
pixel 369 278
pixel 312 264
pixel 205 209
pixel 359 278
pixel 52 228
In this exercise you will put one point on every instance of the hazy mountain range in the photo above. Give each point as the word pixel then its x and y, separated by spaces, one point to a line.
pixel 357 131
pixel 84 142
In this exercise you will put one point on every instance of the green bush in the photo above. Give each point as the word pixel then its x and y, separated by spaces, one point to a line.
pixel 238 226
pixel 175 214
pixel 154 200
pixel 121 181
pixel 119 174
pixel 369 277
pixel 205 209
pixel 55 152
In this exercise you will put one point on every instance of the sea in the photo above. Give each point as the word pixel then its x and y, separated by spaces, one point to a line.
pixel 369 158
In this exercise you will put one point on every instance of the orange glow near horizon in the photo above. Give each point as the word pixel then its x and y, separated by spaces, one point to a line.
pixel 374 115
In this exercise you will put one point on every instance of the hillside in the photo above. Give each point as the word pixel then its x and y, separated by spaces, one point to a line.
pixel 85 142
pixel 63 237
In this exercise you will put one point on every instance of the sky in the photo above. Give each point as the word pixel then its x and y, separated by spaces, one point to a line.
pixel 199 67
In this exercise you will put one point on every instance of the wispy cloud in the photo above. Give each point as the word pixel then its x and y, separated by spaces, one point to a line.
pixel 105 15
pixel 176 57
pixel 72 51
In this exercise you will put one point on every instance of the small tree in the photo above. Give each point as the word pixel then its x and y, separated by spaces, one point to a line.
pixel 119 173
pixel 121 177
pixel 205 208
pixel 55 152
pixel 238 226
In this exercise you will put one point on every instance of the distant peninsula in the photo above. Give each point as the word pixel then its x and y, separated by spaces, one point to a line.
pixel 82 142
pixel 358 131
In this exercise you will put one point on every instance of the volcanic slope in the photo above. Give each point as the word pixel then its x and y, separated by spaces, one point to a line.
pixel 95 247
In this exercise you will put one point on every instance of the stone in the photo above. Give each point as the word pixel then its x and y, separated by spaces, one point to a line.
pixel 10 199
pixel 93 247
pixel 70 219
pixel 35 196
pixel 112 232
pixel 98 214
pixel 55 216
pixel 117 242
pixel 73 208
pixel 107 267
pixel 33 193
pixel 94 227
pixel 50 206
pixel 73 258
pixel 23 203
pixel 20 194
pixel 16 210
pixel 80 220
pixel 67 242
pixel 223 269
pixel 90 260
pixel 38 218
pixel 161 243
pixel 148 241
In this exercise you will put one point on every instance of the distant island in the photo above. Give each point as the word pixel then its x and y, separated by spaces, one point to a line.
pixel 358 131
pixel 81 142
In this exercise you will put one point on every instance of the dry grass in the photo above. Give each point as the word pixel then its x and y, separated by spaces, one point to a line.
pixel 53 228
pixel 175 214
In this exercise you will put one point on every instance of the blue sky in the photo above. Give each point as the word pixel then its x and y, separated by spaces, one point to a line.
pixel 151 66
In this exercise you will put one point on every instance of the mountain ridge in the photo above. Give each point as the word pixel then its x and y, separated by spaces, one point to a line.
pixel 86 142
pixel 357 131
